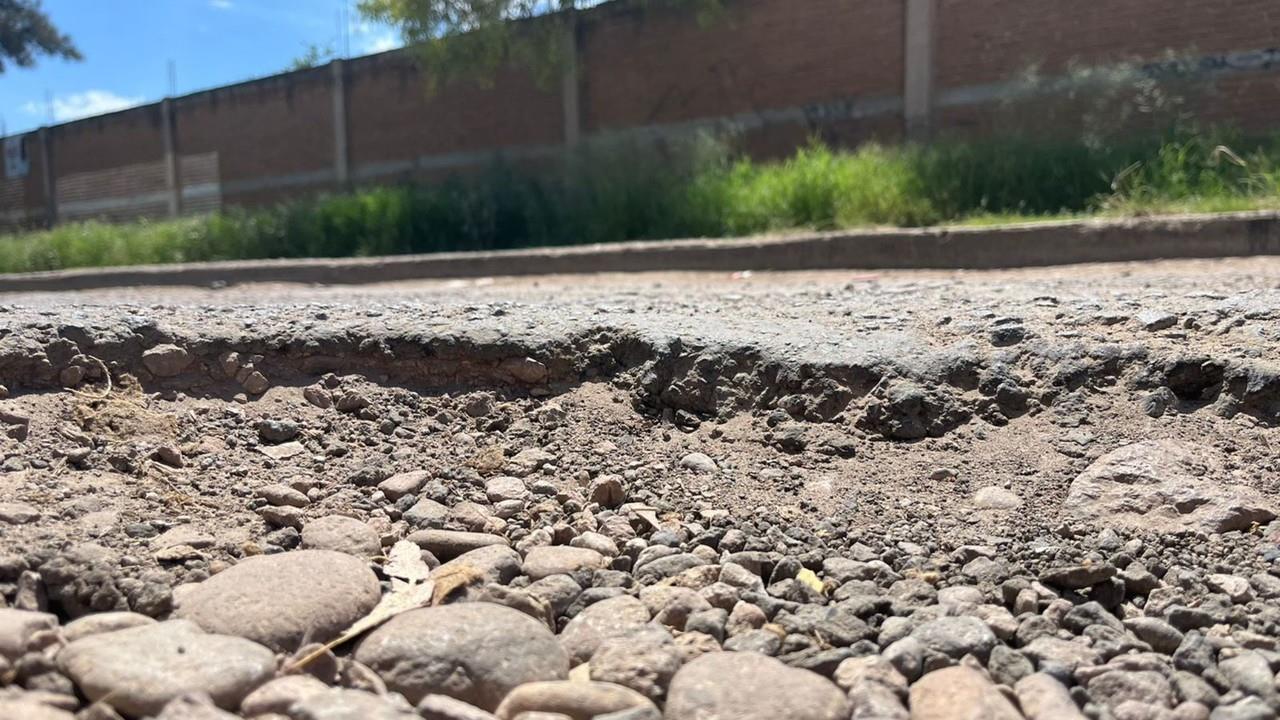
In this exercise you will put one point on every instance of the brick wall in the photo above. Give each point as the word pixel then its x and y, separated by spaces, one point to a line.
pixel 776 71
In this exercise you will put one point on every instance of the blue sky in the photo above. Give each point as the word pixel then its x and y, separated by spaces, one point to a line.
pixel 128 44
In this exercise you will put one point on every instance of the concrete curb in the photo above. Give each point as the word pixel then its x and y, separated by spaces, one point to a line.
pixel 1027 245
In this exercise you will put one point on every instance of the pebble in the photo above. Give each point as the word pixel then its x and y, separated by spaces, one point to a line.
pixel 545 561
pixel 102 623
pixel 166 360
pixel 750 686
pixel 576 700
pixel 699 463
pixel 616 617
pixel 342 534
pixel 449 544
pixel 959 693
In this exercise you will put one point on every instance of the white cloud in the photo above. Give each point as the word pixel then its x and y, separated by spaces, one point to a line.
pixel 81 105
pixel 380 42
pixel 368 38
pixel 221 4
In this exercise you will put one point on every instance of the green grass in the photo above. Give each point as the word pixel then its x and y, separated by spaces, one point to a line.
pixel 613 190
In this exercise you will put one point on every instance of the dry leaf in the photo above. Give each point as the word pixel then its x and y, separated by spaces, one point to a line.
pixel 282 452
pixel 648 514
pixel 405 562
pixel 411 588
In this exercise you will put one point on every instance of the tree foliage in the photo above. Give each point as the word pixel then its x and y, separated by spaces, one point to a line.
pixel 475 38
pixel 25 32
pixel 314 56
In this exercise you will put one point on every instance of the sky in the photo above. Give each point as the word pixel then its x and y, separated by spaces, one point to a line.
pixel 128 45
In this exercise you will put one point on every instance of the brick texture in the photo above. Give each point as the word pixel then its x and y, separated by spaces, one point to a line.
pixel 780 71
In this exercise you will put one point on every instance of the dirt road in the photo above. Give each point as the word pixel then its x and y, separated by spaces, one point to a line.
pixel 1063 474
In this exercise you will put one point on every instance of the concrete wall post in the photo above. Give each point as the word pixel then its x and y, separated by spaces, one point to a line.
pixel 50 178
pixel 917 90
pixel 172 173
pixel 341 147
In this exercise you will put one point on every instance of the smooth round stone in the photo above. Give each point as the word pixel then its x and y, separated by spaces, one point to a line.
pixel 278 600
pixel 342 534
pixel 20 708
pixel 751 686
pixel 560 560
pixel 474 652
pixel 578 700
pixel 142 668
pixel 608 619
pixel 99 623
pixel 17 627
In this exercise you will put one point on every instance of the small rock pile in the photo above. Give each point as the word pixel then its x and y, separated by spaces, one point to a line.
pixel 583 605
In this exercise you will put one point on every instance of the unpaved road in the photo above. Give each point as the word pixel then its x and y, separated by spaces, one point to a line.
pixel 1062 474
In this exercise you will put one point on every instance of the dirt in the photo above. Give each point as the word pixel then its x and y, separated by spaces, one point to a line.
pixel 841 407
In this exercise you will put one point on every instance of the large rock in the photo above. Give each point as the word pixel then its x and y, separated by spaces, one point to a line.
pixel 278 600
pixel 475 652
pixel 140 669
pixel 1165 486
pixel 959 693
pixel 751 686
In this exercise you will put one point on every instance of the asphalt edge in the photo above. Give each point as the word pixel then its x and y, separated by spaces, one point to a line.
pixel 960 248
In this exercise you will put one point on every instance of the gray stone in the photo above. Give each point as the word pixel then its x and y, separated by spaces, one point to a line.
pixel 605 620
pixel 142 668
pixel 278 600
pixel 475 652
pixel 577 700
pixel 1047 651
pixel 103 622
pixel 495 563
pixel 194 706
pixel 959 693
pixel 644 661
pixel 956 637
pixel 1115 687
pixel 1160 635
pixel 16 513
pixel 1250 673
pixel 699 463
pixel 18 626
pixel 166 360
pixel 407 483
pixel 1165 486
pixel 1077 577
pixel 750 686
pixel 546 561
pixel 443 707
pixel 278 695
pixel 349 704
pixel 342 534
pixel 1042 697
pixel 449 544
